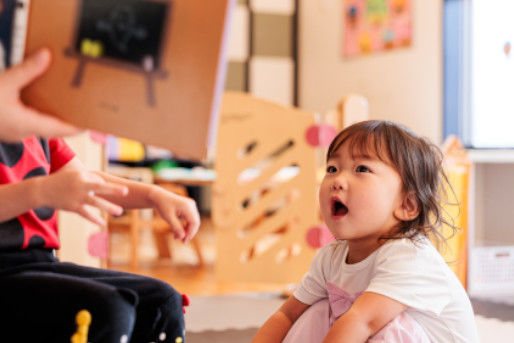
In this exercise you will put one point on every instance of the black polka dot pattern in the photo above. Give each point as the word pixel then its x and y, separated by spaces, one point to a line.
pixel 43 213
pixel 11 233
pixel 46 148
pixel 39 171
pixel 36 242
pixel 21 161
pixel 10 153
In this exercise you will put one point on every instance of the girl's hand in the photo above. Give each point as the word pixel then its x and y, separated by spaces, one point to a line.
pixel 18 120
pixel 179 212
pixel 76 190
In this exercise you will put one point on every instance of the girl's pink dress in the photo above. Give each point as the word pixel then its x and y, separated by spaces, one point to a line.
pixel 313 324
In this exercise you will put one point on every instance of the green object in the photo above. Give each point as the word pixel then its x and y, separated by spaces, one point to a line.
pixel 164 164
pixel 377 9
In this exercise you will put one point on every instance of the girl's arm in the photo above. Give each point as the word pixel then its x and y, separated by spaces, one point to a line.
pixel 18 198
pixel 179 212
pixel 276 327
pixel 368 314
pixel 67 189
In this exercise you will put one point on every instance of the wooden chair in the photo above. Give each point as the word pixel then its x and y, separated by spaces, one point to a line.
pixel 133 221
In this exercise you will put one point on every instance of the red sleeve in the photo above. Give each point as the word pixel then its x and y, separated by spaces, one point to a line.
pixel 60 153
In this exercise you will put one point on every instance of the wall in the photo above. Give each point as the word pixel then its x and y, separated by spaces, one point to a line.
pixel 74 231
pixel 403 85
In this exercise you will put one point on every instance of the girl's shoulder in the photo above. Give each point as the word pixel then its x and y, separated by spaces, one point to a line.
pixel 335 248
pixel 409 250
pixel 333 252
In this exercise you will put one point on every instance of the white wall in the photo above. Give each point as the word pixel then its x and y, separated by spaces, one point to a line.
pixel 403 85
pixel 74 231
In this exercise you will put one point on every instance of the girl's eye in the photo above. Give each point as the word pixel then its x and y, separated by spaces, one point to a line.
pixel 331 169
pixel 362 169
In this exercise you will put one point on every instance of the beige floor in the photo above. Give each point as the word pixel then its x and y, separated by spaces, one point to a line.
pixel 182 271
pixel 244 305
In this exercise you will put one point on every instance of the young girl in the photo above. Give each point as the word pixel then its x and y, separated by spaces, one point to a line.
pixel 381 280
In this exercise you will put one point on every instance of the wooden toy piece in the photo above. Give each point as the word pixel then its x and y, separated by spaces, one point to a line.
pixel 83 320
pixel 352 109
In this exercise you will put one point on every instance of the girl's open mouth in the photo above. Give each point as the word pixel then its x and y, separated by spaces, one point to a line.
pixel 338 208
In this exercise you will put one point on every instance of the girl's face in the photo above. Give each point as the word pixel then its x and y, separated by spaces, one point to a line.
pixel 360 196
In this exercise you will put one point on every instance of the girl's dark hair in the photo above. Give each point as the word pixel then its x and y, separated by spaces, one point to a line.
pixel 419 163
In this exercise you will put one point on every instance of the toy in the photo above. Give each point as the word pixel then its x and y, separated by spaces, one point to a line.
pixel 83 320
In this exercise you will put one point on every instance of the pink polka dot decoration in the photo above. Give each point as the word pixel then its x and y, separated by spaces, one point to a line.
pixel 98 137
pixel 98 244
pixel 320 135
pixel 318 236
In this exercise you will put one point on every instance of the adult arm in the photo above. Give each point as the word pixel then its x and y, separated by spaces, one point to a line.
pixel 18 120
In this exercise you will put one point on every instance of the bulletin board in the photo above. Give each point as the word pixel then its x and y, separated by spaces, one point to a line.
pixel 376 25
pixel 130 32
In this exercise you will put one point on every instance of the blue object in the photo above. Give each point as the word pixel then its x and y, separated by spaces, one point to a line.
pixel 452 66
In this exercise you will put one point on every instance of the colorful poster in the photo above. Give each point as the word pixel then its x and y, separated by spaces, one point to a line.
pixel 376 25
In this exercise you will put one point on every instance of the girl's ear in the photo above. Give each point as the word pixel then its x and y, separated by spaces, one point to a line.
pixel 408 209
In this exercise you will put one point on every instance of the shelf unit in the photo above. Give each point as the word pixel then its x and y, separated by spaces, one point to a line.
pixel 491 228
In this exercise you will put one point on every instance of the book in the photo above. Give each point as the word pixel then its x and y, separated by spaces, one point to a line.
pixel 7 8
pixel 149 70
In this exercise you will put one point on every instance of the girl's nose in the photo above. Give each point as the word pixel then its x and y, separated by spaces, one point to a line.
pixel 338 185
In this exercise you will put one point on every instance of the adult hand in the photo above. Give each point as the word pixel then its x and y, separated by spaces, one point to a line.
pixel 179 212
pixel 17 120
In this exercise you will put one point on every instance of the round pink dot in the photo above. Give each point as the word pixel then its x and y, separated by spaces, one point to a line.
pixel 319 236
pixel 320 135
pixel 98 137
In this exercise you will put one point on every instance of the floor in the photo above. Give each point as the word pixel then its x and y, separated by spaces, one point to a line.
pixel 182 270
pixel 209 295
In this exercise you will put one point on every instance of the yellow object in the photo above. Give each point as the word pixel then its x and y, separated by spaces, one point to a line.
pixel 399 4
pixel 179 340
pixel 83 320
pixel 91 48
pixel 131 150
pixel 365 42
pixel 457 166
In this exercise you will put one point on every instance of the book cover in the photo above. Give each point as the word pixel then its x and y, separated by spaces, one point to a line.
pixel 7 8
pixel 149 70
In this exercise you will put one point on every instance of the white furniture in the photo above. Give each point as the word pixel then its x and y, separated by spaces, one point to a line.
pixel 491 228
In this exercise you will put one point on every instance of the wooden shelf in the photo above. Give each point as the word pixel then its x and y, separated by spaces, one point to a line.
pixel 491 155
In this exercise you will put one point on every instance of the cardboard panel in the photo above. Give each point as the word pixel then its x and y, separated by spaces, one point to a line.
pixel 150 70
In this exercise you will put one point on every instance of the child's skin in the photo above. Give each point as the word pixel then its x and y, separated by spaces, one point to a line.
pixel 73 188
pixel 372 191
pixel 20 121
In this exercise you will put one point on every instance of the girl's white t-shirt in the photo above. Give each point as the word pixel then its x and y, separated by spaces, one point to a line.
pixel 413 273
